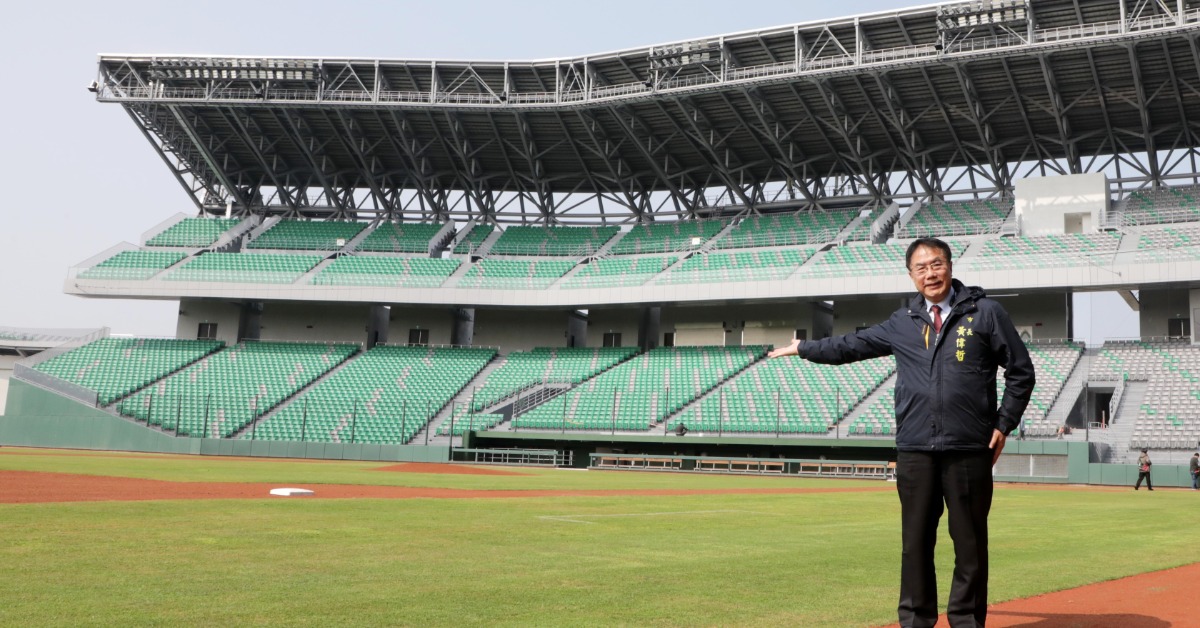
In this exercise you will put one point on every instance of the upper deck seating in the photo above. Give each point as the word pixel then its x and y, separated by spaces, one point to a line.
pixel 225 392
pixel 306 235
pixel 193 232
pixel 471 240
pixel 245 268
pixel 869 259
pixel 756 265
pixel 523 369
pixel 133 265
pixel 377 270
pixel 1168 244
pixel 639 393
pixel 862 231
pixel 515 273
pixel 406 237
pixel 798 228
pixel 1160 206
pixel 1068 249
pixel 667 237
pixel 552 241
pixel 974 217
pixel 620 271
pixel 385 396
pixel 787 395
pixel 115 367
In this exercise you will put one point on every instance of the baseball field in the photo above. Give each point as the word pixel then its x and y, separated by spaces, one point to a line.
pixel 102 538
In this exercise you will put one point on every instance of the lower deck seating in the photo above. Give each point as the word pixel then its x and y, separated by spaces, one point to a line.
pixel 570 365
pixel 225 392
pixel 639 393
pixel 385 396
pixel 1169 416
pixel 115 367
pixel 788 396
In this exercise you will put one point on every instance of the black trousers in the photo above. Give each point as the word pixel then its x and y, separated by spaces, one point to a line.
pixel 1143 475
pixel 928 483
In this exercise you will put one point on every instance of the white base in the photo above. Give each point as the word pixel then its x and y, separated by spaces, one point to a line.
pixel 292 492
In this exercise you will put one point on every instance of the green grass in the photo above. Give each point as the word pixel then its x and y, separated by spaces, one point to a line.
pixel 817 559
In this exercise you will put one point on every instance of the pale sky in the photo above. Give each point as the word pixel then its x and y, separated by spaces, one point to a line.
pixel 81 178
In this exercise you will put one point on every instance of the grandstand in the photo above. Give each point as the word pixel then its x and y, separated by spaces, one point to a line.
pixel 672 211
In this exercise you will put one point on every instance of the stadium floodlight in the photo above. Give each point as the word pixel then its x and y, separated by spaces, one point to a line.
pixel 690 53
pixel 967 16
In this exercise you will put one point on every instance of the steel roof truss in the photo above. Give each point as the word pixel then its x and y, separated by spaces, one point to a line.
pixel 413 154
pixel 215 166
pixel 356 144
pixel 297 129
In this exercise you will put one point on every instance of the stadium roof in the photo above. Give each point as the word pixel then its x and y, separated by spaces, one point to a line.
pixel 954 98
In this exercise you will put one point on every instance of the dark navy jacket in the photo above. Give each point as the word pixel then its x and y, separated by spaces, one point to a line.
pixel 946 384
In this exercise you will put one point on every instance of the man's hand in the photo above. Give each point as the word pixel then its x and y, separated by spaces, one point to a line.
pixel 792 349
pixel 997 445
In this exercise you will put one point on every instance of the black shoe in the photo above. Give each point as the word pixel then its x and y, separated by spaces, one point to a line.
pixel 1150 489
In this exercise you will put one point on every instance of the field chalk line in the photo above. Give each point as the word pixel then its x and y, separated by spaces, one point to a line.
pixel 583 518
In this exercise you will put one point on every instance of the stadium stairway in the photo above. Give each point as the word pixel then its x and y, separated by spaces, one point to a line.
pixel 1120 431
pixel 307 278
pixel 487 243
pixel 463 398
pixel 353 243
pixel 1072 388
pixel 849 229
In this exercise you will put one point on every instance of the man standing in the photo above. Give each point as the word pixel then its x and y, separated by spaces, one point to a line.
pixel 948 342
pixel 1194 469
pixel 1144 471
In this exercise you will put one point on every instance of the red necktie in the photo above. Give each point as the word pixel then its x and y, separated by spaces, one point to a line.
pixel 937 319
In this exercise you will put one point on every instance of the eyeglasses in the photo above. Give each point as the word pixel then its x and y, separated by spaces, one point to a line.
pixel 936 266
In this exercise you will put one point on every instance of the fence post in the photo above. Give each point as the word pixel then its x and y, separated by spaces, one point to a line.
pixel 564 414
pixel 404 417
pixel 207 407
pixel 616 397
pixel 721 414
pixel 778 413
pixel 304 421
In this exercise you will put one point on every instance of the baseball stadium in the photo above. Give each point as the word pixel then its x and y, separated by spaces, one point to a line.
pixel 485 342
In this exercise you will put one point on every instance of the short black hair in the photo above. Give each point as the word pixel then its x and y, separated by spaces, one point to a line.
pixel 932 243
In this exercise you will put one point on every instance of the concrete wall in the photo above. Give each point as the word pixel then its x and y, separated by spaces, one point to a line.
pixel 522 329
pixel 1062 204
pixel 333 322
pixel 192 312
pixel 623 321
pixel 1042 315
pixel 439 322
pixel 851 314
pixel 1157 306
